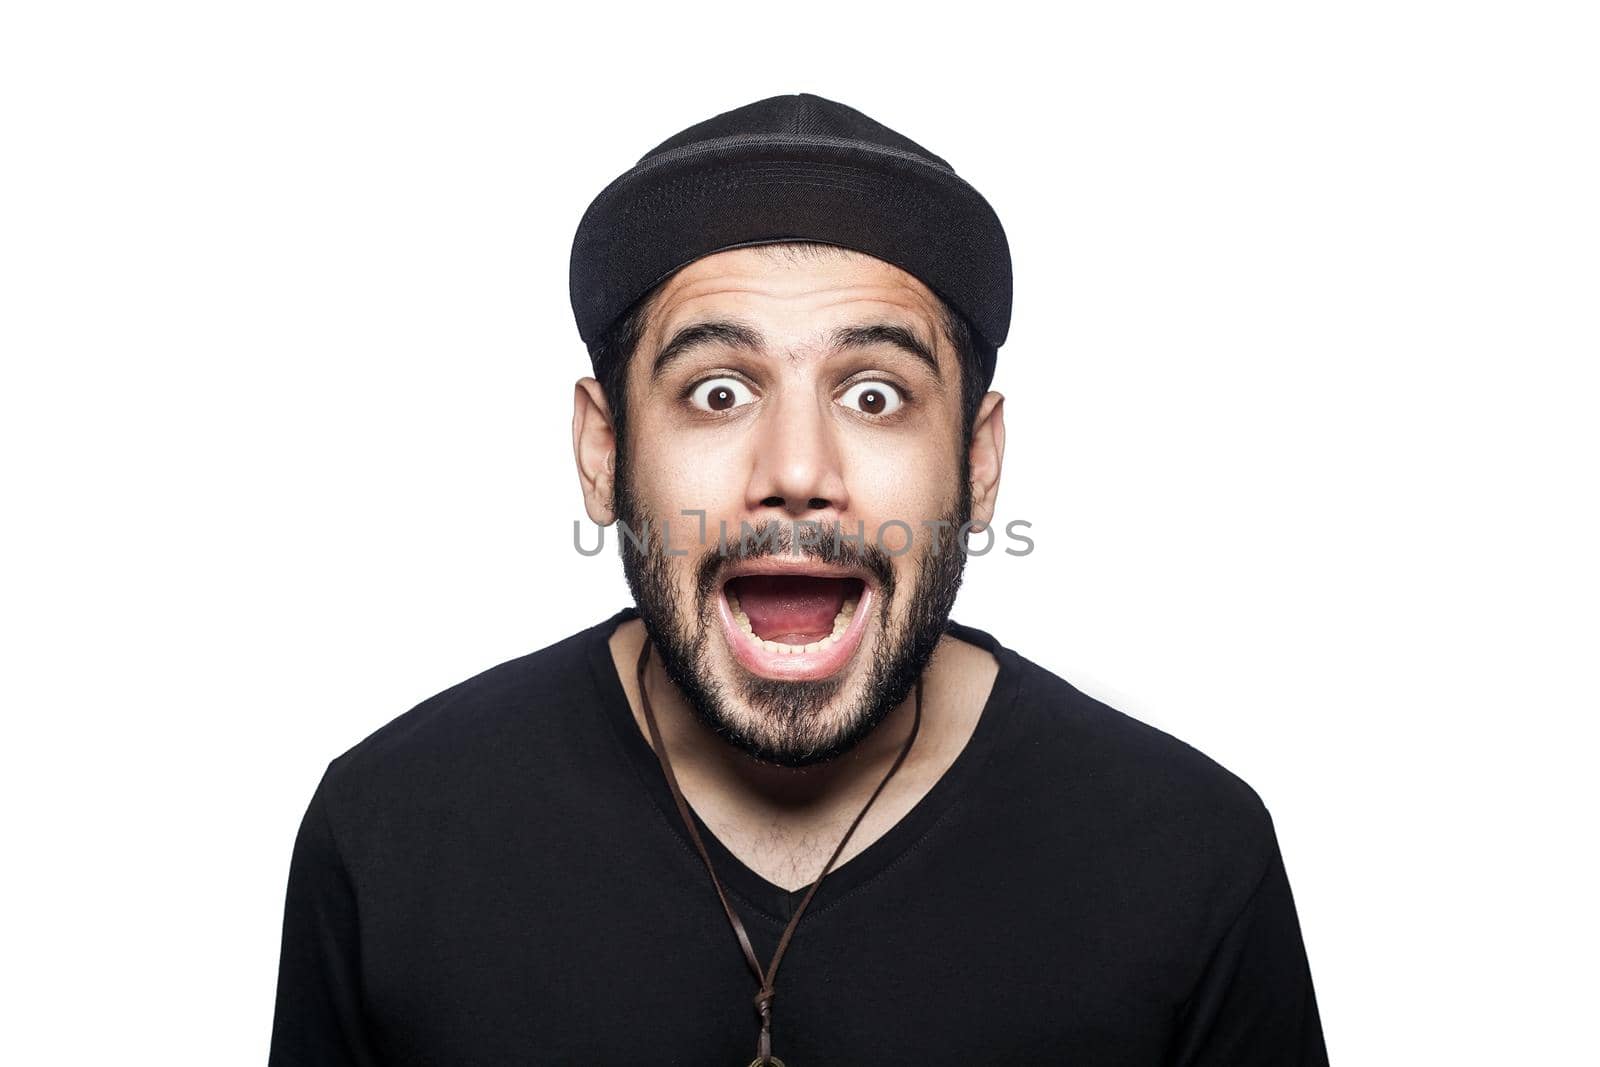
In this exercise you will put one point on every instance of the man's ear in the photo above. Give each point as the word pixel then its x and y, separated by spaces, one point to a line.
pixel 986 453
pixel 594 445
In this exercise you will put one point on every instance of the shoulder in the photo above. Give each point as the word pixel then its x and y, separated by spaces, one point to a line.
pixel 1109 739
pixel 1104 772
pixel 469 730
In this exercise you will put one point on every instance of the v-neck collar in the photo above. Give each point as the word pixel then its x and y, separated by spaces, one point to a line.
pixel 774 903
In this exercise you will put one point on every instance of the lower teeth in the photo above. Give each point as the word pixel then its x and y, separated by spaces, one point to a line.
pixel 840 622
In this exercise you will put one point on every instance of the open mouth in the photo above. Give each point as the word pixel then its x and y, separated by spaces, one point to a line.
pixel 792 624
pixel 791 613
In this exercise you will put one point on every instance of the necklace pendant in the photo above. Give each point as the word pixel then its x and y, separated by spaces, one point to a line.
pixel 772 1061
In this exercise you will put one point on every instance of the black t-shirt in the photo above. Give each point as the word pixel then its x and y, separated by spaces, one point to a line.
pixel 499 876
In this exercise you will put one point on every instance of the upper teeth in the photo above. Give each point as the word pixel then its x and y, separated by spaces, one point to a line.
pixel 840 621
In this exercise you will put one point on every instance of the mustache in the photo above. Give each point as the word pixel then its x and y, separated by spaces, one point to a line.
pixel 824 542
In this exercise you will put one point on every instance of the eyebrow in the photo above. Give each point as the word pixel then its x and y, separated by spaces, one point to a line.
pixel 724 332
pixel 890 334
pixel 733 334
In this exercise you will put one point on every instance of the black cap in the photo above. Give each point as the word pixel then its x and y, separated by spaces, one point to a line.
pixel 794 167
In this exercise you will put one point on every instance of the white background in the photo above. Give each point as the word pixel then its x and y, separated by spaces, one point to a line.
pixel 1301 404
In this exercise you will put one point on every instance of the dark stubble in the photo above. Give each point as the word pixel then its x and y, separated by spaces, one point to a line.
pixel 795 733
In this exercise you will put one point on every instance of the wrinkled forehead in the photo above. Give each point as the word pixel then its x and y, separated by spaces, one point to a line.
pixel 795 298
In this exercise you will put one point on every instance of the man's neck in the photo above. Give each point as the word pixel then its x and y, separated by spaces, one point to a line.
pixel 784 822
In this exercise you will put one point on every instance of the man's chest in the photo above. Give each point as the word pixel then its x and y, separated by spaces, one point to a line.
pixel 792 856
pixel 633 961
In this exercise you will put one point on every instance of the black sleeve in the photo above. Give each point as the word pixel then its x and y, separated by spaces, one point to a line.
pixel 1254 1005
pixel 318 1018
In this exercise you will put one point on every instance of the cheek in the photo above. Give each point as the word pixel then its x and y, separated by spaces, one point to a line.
pixel 671 481
pixel 911 479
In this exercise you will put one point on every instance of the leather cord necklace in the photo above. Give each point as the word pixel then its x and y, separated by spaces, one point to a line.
pixel 763 999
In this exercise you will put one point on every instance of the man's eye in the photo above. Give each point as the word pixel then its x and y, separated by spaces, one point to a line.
pixel 873 398
pixel 720 394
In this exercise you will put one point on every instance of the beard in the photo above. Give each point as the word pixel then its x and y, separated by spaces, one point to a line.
pixel 789 723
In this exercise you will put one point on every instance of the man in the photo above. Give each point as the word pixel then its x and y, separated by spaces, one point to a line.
pixel 786 752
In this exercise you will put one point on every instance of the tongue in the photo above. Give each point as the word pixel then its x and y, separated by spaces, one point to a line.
pixel 792 609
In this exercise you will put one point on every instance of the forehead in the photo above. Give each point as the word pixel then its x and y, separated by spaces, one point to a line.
pixel 797 295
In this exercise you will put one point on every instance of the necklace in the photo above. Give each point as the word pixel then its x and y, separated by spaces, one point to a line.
pixel 766 977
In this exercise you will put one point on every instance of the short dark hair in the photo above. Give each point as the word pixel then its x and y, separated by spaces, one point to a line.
pixel 613 351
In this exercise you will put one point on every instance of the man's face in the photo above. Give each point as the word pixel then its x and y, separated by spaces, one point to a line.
pixel 785 396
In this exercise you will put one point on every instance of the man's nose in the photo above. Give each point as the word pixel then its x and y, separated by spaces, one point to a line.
pixel 798 466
